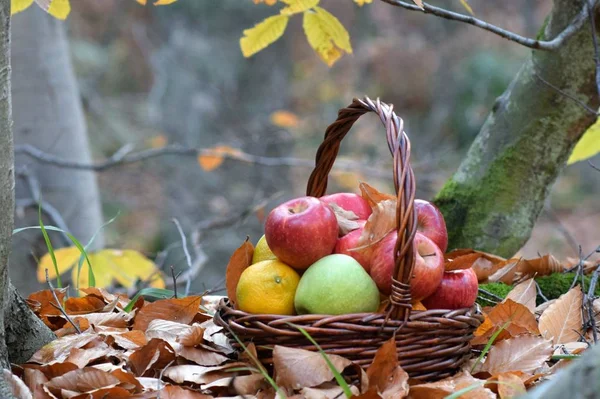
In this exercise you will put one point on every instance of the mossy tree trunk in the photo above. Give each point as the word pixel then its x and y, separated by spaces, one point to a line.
pixel 493 200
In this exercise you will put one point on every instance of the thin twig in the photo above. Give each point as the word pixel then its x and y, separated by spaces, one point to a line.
pixel 594 166
pixel 553 44
pixel 590 8
pixel 562 92
pixel 59 306
pixel 561 227
pixel 122 157
pixel 492 295
pixel 188 258
pixel 590 303
pixel 539 291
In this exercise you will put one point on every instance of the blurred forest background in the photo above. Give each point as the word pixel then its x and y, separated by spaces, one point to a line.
pixel 147 76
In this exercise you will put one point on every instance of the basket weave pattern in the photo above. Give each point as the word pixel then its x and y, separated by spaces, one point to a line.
pixel 430 344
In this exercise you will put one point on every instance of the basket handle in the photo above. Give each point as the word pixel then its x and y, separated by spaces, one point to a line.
pixel 404 184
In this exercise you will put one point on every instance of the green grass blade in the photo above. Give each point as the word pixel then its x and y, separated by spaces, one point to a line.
pixel 261 368
pixel 489 344
pixel 49 246
pixel 338 377
pixel 91 277
pixel 151 292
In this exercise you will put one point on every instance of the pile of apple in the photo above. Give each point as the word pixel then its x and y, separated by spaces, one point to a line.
pixel 305 230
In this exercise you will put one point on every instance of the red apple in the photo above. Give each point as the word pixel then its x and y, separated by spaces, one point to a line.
pixel 458 289
pixel 431 223
pixel 348 242
pixel 427 272
pixel 350 202
pixel 301 231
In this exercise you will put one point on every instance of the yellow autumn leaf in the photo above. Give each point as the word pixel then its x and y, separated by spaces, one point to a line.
pixel 164 2
pixel 467 6
pixel 124 266
pixel 142 2
pixel 326 35
pixel 19 5
pixel 588 145
pixel 212 158
pixel 284 119
pixel 267 2
pixel 363 2
pixel 66 258
pixel 263 34
pixel 298 6
pixel 59 9
pixel 347 180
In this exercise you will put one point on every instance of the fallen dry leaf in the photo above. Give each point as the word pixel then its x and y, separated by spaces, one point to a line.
pixel 82 381
pixel 176 392
pixel 483 264
pixel 381 222
pixel 347 220
pixel 510 385
pixel 240 385
pixel 562 321
pixel 34 379
pixel 239 261
pixel 544 266
pixel 372 195
pixel 199 374
pixel 59 349
pixel 181 310
pixel 156 354
pixel 128 340
pixel 385 373
pixel 517 317
pixel 441 389
pixel 172 332
pixel 327 390
pixel 525 294
pixel 299 368
pixel 19 388
pixel 524 353
pixel 509 270
pixel 82 305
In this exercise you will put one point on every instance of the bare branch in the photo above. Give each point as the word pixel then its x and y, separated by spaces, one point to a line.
pixel 123 157
pixel 590 6
pixel 553 44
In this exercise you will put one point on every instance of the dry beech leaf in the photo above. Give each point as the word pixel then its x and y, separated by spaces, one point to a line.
pixel 83 305
pixel 200 374
pixel 525 294
pixel 381 222
pixel 544 266
pixel 128 340
pixel 156 354
pixel 508 271
pixel 441 389
pixel 562 321
pixel 82 357
pixel 181 310
pixel 520 317
pixel 201 357
pixel 524 353
pixel 58 350
pixel 509 385
pixel 241 384
pixel 347 220
pixel 82 381
pixel 373 196
pixel 483 264
pixel 34 379
pixel 176 392
pixel 239 261
pixel 328 390
pixel 299 368
pixel 385 373
pixel 113 319
pixel 172 332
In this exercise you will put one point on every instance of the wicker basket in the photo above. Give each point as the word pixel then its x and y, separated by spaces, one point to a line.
pixel 431 344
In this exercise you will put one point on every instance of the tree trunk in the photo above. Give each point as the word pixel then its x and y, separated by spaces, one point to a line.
pixel 48 114
pixel 18 325
pixel 581 379
pixel 493 200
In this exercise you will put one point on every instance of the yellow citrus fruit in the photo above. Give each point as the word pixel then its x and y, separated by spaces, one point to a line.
pixel 267 287
pixel 262 251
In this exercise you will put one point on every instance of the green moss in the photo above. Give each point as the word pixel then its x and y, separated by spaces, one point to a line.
pixel 557 284
pixel 552 286
pixel 498 289
pixel 540 34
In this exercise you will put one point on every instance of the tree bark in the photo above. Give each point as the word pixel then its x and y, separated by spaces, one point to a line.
pixel 48 114
pixel 28 324
pixel 493 200
pixel 7 177
pixel 581 379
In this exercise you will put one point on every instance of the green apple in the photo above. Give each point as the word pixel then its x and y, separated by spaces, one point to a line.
pixel 336 284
